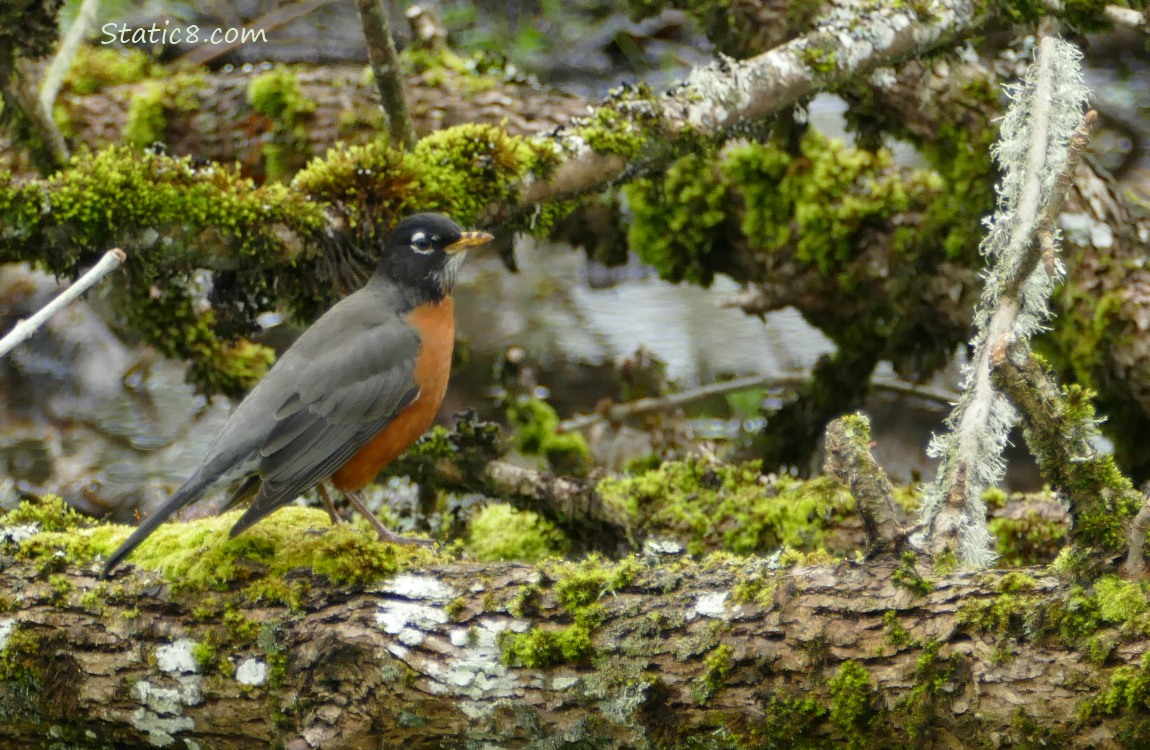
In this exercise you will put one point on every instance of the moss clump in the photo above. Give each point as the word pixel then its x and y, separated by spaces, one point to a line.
pixel 906 576
pixel 500 532
pixel 930 677
pixel 21 681
pixel 147 120
pixel 536 434
pixel 679 220
pixel 50 513
pixel 609 132
pixel 198 556
pixel 1012 613
pixel 729 506
pixel 897 635
pixel 716 667
pixel 1028 539
pixel 851 701
pixel 98 67
pixel 578 587
pixel 540 648
pixel 277 95
pixel 1128 692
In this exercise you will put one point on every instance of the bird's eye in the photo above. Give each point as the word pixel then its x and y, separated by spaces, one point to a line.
pixel 421 243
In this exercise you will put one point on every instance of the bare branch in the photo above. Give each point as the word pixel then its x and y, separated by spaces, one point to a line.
pixel 62 62
pixel 388 74
pixel 24 329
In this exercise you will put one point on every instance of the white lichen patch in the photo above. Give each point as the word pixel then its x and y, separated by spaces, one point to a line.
pixel 475 669
pixel 713 605
pixel 7 625
pixel 252 672
pixel 395 616
pixel 177 658
pixel 161 713
pixel 419 588
pixel 17 534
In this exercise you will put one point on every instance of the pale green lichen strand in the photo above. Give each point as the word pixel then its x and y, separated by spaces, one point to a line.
pixel 1051 97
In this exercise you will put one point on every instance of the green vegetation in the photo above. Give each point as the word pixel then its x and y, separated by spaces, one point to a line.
pixel 535 425
pixel 729 506
pixel 500 532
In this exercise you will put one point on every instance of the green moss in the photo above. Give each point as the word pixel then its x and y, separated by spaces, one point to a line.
pixel 277 95
pixel 851 701
pixel 500 532
pixel 678 220
pixel 1031 539
pixel 206 656
pixel 21 675
pixel 897 635
pixel 540 648
pixel 535 424
pixel 96 68
pixel 147 120
pixel 930 677
pixel 609 132
pixel 728 506
pixel 907 576
pixel 463 170
pixel 820 59
pixel 199 556
pixel 786 721
pixel 716 667
pixel 146 123
pixel 61 587
pixel 50 513
pixel 1128 692
pixel 1121 601
pixel 581 584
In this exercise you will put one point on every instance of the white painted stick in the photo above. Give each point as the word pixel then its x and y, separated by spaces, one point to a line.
pixel 24 329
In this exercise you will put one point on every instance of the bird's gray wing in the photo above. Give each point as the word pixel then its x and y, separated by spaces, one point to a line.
pixel 348 386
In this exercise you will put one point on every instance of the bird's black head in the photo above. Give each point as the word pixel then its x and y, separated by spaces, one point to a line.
pixel 424 252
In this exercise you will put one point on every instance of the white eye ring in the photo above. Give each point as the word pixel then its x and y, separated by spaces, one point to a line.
pixel 420 243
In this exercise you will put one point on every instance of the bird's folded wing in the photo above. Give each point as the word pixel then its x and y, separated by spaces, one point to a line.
pixel 343 398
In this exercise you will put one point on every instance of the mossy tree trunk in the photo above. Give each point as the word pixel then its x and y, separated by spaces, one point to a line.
pixel 667 653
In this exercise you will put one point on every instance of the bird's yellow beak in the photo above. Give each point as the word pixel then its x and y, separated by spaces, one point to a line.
pixel 468 240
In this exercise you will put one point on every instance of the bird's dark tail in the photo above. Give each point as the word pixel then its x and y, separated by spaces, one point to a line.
pixel 191 491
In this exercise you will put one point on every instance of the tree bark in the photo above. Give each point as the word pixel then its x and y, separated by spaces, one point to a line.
pixel 681 654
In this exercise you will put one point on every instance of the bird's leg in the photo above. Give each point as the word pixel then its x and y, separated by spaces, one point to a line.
pixel 328 505
pixel 385 533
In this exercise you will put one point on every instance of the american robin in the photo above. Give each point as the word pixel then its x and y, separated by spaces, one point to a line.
pixel 350 395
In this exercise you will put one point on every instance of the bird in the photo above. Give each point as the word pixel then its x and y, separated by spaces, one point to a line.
pixel 349 396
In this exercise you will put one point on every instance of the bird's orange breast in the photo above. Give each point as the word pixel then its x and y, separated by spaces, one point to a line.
pixel 436 326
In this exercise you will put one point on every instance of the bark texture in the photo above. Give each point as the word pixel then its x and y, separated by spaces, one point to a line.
pixel 680 654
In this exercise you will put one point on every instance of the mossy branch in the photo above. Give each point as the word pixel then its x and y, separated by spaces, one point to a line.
pixel 849 460
pixel 332 639
pixel 1060 430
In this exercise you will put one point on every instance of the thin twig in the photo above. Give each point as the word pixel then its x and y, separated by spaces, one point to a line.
pixel 388 74
pixel 639 407
pixel 24 329
pixel 1135 560
pixel 66 54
